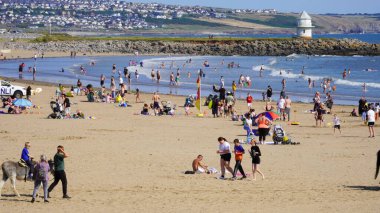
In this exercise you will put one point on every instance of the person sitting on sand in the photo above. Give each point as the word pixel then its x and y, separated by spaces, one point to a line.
pixel 198 166
pixel 14 110
pixel 79 114
pixel 145 110
pixel 354 113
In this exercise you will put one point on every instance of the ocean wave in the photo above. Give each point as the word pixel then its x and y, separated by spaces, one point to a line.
pixel 294 55
pixel 355 83
pixel 288 74
pixel 272 61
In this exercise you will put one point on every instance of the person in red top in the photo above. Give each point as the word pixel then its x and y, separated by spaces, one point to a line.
pixel 249 101
pixel 239 151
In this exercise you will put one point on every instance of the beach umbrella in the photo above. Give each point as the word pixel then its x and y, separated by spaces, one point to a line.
pixel 22 103
pixel 270 115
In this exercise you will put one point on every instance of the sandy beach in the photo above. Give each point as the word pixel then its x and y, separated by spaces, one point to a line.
pixel 121 162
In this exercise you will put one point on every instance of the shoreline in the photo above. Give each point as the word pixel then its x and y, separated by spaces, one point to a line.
pixel 29 54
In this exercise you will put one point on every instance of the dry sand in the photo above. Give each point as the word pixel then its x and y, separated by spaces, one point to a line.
pixel 121 162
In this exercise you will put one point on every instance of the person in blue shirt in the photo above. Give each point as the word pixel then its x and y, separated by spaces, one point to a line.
pixel 28 159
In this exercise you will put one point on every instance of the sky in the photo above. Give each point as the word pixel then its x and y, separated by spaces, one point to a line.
pixel 311 6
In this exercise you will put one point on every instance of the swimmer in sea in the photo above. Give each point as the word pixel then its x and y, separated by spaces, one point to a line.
pixel 344 74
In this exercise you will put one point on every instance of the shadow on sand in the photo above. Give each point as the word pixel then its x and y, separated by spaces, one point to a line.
pixel 13 197
pixel 365 188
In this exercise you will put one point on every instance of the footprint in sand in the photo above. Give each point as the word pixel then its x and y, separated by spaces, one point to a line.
pixel 66 138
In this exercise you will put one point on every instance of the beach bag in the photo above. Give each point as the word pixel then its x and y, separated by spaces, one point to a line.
pixel 41 173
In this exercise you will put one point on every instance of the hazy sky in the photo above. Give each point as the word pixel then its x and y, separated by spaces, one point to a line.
pixel 314 6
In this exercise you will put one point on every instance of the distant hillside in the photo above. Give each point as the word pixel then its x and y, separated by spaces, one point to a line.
pixel 276 23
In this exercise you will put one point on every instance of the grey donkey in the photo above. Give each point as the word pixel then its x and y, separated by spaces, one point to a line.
pixel 13 171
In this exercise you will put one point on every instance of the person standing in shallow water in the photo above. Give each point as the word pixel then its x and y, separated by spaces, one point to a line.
pixel 59 171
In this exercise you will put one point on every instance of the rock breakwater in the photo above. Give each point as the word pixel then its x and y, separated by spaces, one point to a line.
pixel 260 47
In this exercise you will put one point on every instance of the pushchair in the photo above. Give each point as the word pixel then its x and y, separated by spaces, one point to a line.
pixel 57 112
pixel 278 134
pixel 166 107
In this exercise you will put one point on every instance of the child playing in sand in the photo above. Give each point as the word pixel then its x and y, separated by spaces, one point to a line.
pixel 336 121
pixel 187 110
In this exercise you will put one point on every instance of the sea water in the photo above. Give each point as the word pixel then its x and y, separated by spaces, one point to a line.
pixel 363 69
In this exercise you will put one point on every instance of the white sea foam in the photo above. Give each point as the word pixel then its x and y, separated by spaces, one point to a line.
pixel 272 61
pixel 355 83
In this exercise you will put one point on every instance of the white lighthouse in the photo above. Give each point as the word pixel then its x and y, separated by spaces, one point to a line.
pixel 304 26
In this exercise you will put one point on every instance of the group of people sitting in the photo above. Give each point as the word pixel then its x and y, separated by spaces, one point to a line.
pixel 9 107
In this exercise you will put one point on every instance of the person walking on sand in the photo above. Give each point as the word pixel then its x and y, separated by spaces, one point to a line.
pixel 288 106
pixel 336 121
pixel 255 154
pixel 319 115
pixel 263 127
pixel 59 171
pixel 225 157
pixel 371 121
pixel 66 104
pixel 138 100
pixel 79 87
pixel 42 176
pixel 239 151
pixel 249 100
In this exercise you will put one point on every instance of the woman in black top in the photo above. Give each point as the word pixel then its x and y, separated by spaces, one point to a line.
pixel 255 154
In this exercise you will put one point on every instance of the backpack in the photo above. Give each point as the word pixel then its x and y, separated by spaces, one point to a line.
pixel 41 173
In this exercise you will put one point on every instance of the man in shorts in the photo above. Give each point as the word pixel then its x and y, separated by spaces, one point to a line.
pixel 288 106
pixel 156 105
pixel 371 122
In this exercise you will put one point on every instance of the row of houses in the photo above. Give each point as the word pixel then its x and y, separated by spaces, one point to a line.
pixel 99 14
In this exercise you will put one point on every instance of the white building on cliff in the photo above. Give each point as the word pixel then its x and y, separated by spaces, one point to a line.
pixel 304 26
